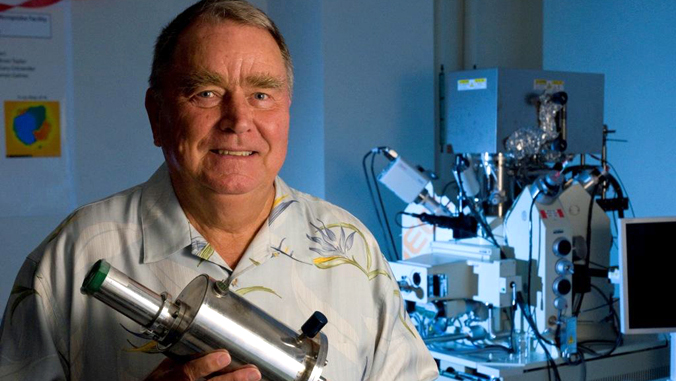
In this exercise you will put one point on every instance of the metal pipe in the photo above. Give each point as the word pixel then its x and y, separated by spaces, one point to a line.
pixel 207 316
pixel 448 337
pixel 127 296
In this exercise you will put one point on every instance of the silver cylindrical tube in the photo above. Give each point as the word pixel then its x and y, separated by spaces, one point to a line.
pixel 124 294
pixel 222 319
pixel 465 174
pixel 435 207
pixel 207 316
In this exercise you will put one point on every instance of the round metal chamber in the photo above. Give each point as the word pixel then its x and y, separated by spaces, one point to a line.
pixel 211 317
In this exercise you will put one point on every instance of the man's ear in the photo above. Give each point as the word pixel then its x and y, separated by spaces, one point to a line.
pixel 153 111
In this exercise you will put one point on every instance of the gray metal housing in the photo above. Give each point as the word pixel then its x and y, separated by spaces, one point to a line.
pixel 484 107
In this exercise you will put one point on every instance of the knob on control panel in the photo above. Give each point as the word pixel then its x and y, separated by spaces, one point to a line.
pixel 561 286
pixel 560 303
pixel 564 267
pixel 562 247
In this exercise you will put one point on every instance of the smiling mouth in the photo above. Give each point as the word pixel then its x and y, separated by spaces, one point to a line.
pixel 233 153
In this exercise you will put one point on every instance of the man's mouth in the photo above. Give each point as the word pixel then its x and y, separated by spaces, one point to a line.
pixel 234 153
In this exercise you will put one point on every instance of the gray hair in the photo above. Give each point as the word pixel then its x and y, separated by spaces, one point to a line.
pixel 238 11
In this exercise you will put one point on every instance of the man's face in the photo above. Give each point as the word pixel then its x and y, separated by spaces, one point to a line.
pixel 223 118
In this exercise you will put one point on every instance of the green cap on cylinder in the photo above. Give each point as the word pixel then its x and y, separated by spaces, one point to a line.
pixel 94 279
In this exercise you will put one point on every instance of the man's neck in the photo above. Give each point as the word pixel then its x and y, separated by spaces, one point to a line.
pixel 228 222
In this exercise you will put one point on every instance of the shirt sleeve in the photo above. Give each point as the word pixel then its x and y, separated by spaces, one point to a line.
pixel 29 344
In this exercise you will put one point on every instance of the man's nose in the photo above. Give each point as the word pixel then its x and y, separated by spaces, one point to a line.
pixel 236 114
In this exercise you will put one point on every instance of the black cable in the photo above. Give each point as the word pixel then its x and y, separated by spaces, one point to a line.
pixel 512 331
pixel 587 259
pixel 382 206
pixel 631 206
pixel 530 247
pixel 599 306
pixel 401 225
pixel 445 188
pixel 373 199
pixel 616 328
pixel 584 366
pixel 606 176
pixel 541 340
pixel 619 194
pixel 577 359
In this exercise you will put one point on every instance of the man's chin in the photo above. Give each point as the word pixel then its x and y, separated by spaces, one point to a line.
pixel 238 185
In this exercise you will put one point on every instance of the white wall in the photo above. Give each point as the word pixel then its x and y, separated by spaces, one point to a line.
pixel 634 45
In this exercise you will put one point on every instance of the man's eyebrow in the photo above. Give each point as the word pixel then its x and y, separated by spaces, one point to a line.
pixel 191 81
pixel 265 81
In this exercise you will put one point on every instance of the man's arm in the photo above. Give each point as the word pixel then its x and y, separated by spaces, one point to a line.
pixel 400 352
pixel 28 343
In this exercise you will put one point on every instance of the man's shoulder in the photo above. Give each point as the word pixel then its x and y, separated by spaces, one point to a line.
pixel 112 212
pixel 126 204
pixel 110 208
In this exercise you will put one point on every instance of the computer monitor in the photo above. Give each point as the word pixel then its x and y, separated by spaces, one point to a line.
pixel 647 260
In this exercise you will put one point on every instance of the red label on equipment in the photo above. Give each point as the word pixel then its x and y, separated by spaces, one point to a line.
pixel 560 212
pixel 543 214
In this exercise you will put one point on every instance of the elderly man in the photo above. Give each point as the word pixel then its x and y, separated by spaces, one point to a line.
pixel 218 104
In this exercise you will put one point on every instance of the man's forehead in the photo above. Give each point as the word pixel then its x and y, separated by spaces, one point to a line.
pixel 200 34
pixel 226 39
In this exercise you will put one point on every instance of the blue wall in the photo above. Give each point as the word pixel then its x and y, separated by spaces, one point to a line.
pixel 634 44
pixel 379 90
pixel 300 22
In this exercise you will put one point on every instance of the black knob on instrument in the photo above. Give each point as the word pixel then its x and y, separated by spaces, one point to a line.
pixel 562 286
pixel 314 324
pixel 562 247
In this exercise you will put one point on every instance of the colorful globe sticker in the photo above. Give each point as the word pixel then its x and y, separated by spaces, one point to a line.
pixel 32 128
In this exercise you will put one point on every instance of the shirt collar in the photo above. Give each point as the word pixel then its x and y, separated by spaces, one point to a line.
pixel 165 227
pixel 270 238
pixel 200 248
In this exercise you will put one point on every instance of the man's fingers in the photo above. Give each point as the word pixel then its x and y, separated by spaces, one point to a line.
pixel 207 364
pixel 245 373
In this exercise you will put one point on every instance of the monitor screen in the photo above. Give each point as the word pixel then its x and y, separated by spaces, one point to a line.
pixel 647 260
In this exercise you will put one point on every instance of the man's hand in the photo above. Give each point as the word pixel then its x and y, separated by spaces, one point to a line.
pixel 201 368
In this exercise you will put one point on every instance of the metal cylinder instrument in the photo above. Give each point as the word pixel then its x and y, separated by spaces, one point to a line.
pixel 207 316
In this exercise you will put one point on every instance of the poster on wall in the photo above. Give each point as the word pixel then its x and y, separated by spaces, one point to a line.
pixel 32 128
pixel 35 76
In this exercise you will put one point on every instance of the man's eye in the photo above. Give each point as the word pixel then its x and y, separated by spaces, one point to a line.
pixel 260 96
pixel 205 98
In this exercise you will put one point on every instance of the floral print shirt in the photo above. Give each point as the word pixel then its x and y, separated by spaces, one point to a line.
pixel 309 256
